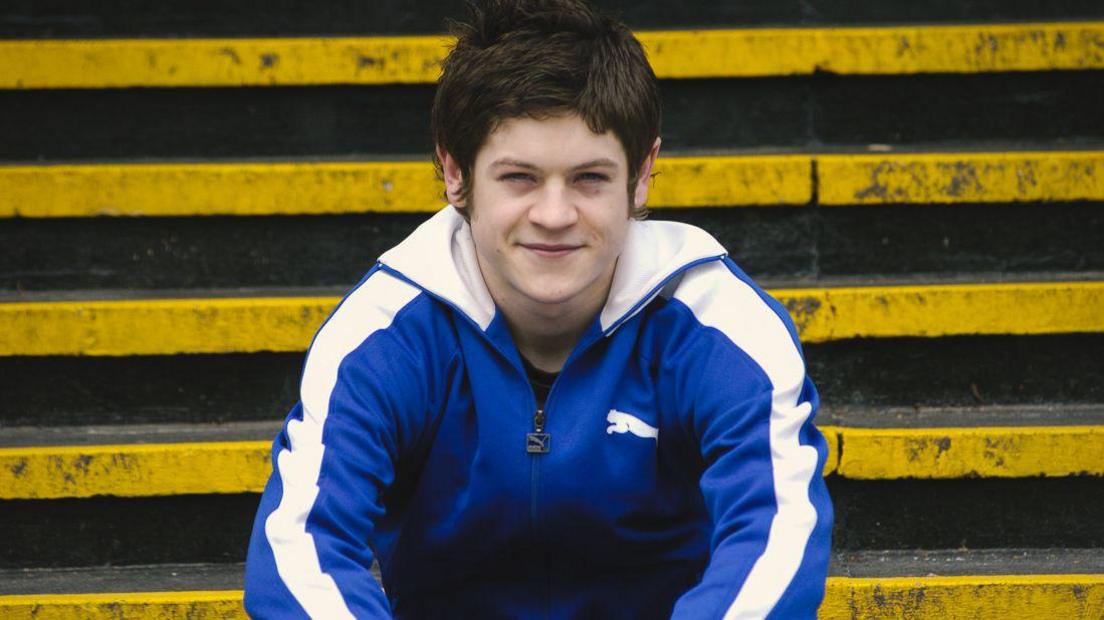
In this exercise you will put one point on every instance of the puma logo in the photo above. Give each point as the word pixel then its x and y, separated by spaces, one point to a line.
pixel 621 422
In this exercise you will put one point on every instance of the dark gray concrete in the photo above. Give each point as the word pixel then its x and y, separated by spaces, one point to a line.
pixel 891 563
pixel 984 415
pixel 953 562
pixel 26 436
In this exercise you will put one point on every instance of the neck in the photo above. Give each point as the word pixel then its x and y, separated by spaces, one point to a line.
pixel 546 338
pixel 546 334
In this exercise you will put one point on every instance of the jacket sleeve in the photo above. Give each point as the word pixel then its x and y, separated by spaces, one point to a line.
pixel 310 554
pixel 761 477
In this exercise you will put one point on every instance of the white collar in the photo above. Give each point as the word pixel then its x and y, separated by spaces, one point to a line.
pixel 439 257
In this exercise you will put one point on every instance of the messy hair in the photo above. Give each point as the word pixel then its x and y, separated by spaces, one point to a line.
pixel 539 59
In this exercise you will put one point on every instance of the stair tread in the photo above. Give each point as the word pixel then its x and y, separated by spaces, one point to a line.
pixel 854 564
pixel 31 436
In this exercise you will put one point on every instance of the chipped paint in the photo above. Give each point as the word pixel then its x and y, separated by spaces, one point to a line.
pixel 934 310
pixel 163 469
pixel 1030 597
pixel 747 52
pixel 250 324
pixel 930 178
pixel 244 466
pixel 202 605
pixel 134 470
pixel 171 189
pixel 185 189
pixel 299 61
pixel 991 452
pixel 167 326
pixel 724 181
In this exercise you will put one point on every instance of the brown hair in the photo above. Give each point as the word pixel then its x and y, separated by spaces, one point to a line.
pixel 537 59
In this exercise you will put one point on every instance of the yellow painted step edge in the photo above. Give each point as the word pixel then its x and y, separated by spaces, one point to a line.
pixel 749 52
pixel 143 470
pixel 1072 597
pixel 249 189
pixel 195 605
pixel 134 470
pixel 934 178
pixel 934 310
pixel 1025 597
pixel 252 324
pixel 163 189
pixel 988 452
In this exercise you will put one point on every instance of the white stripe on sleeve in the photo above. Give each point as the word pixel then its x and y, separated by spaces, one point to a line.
pixel 721 300
pixel 371 307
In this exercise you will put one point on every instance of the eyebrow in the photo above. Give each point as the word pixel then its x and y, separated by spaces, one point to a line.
pixel 602 162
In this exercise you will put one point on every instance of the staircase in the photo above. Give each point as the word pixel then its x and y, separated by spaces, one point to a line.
pixel 186 189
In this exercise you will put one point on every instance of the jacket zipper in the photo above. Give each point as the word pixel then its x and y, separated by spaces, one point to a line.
pixel 538 443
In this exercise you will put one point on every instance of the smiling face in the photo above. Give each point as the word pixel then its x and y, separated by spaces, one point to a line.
pixel 549 211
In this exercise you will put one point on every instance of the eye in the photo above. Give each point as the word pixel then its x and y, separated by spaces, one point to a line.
pixel 516 176
pixel 592 177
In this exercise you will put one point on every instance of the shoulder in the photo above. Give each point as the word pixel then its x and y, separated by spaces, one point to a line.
pixel 370 307
pixel 380 322
pixel 724 305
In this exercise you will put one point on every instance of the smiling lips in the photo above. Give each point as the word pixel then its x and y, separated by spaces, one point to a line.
pixel 550 250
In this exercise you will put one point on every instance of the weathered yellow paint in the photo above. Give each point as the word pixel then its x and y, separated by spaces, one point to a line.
pixel 732 181
pixel 161 326
pixel 748 52
pixel 201 605
pixel 242 325
pixel 1024 597
pixel 923 178
pixel 823 314
pixel 134 470
pixel 123 63
pixel 239 188
pixel 989 452
pixel 217 189
pixel 349 187
pixel 878 50
pixel 139 470
pixel 832 435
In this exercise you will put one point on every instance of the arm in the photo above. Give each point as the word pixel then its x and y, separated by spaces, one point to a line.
pixel 751 408
pixel 305 535
pixel 361 398
pixel 772 515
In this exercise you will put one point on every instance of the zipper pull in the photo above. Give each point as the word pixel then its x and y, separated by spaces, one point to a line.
pixel 538 442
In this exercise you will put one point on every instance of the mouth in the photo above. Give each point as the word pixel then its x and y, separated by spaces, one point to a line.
pixel 550 250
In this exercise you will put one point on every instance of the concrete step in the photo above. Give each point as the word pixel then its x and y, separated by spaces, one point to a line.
pixel 906 513
pixel 216 323
pixel 121 18
pixel 1053 583
pixel 302 188
pixel 143 460
pixel 945 111
pixel 903 373
pixel 782 248
pixel 674 54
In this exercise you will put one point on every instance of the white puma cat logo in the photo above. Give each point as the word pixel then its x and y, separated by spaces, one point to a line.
pixel 621 422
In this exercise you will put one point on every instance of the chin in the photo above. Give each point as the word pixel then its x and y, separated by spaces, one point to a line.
pixel 550 292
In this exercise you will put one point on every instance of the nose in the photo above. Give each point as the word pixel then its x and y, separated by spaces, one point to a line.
pixel 554 208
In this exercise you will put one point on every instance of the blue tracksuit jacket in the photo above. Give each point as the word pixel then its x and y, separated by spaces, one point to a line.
pixel 683 472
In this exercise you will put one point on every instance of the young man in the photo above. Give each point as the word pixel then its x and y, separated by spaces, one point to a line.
pixel 538 405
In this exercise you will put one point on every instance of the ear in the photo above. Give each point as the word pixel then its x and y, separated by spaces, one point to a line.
pixel 641 191
pixel 454 177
